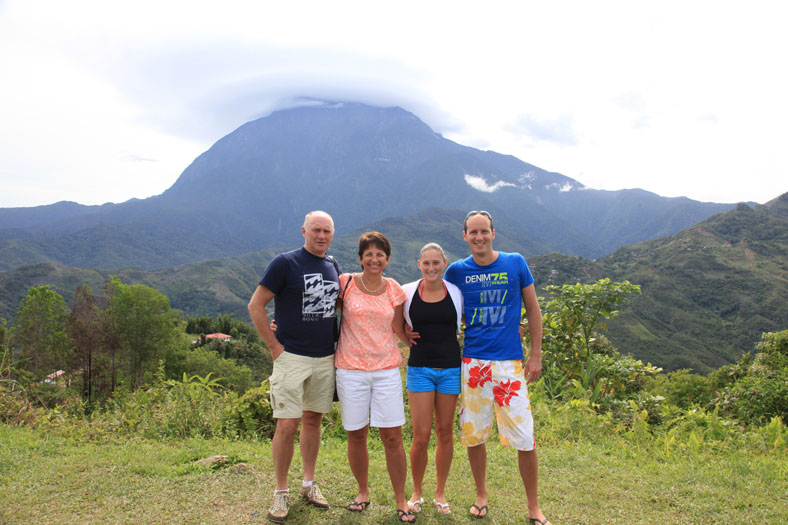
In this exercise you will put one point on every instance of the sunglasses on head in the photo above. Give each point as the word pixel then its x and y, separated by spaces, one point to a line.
pixel 473 214
pixel 478 212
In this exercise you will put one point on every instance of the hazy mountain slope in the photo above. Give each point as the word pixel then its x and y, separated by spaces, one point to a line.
pixel 19 218
pixel 251 189
pixel 708 291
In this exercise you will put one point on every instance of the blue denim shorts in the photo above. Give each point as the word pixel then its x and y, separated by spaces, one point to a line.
pixel 441 380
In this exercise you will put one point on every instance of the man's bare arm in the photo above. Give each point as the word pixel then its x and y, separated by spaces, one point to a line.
pixel 260 298
pixel 533 367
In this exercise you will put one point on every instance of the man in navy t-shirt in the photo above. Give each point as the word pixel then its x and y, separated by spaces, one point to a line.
pixel 305 284
pixel 495 285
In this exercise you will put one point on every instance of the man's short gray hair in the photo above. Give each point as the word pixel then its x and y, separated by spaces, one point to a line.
pixel 317 212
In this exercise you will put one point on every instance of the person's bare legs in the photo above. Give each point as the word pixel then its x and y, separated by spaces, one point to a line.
pixel 445 410
pixel 421 406
pixel 358 459
pixel 396 462
pixel 529 471
pixel 309 442
pixel 282 448
pixel 477 457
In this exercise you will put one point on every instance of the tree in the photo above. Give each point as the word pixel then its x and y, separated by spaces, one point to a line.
pixel 6 351
pixel 574 352
pixel 40 332
pixel 577 310
pixel 144 327
pixel 86 330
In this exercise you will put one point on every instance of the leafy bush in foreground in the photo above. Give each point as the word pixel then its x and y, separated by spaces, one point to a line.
pixel 761 390
pixel 169 408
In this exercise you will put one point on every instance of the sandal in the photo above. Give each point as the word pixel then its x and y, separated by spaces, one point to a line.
pixel 442 508
pixel 481 512
pixel 537 521
pixel 415 506
pixel 354 503
pixel 406 514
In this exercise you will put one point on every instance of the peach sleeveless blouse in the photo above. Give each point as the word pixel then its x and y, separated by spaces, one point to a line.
pixel 367 341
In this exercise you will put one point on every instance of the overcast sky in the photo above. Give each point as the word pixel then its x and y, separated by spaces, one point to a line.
pixel 102 101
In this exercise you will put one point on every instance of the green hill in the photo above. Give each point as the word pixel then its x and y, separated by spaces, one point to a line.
pixel 708 291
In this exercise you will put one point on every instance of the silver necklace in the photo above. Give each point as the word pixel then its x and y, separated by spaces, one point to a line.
pixel 364 285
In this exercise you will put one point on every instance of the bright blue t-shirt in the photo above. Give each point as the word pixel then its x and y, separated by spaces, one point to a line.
pixel 305 289
pixel 493 302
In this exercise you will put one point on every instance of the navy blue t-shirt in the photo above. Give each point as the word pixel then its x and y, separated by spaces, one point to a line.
pixel 305 288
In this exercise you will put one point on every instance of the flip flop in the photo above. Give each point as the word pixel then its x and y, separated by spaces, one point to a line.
pixel 442 508
pixel 402 513
pixel 362 504
pixel 537 521
pixel 415 506
pixel 481 511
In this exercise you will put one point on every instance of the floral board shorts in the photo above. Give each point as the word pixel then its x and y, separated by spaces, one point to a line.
pixel 499 386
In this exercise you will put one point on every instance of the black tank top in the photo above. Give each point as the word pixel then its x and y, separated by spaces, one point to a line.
pixel 436 323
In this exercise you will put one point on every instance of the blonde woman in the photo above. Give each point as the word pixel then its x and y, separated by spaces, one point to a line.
pixel 434 310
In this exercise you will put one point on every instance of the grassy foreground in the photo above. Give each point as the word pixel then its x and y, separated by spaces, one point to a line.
pixel 47 477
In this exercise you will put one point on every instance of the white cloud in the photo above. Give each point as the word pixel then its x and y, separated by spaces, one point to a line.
pixel 480 184
pixel 676 98
pixel 567 186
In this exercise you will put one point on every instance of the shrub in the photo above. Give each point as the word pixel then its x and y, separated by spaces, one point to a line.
pixel 253 414
pixel 191 407
pixel 682 388
pixel 757 399
pixel 202 361
pixel 758 390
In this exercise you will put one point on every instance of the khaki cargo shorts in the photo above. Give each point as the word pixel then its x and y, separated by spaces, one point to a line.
pixel 299 383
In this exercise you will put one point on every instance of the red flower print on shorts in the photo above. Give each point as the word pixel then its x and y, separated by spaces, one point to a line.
pixel 505 391
pixel 479 375
pixel 466 360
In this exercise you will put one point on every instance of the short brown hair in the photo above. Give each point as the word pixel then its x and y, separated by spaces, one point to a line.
pixel 376 239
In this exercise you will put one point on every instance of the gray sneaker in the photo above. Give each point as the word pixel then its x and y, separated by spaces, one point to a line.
pixel 278 511
pixel 314 496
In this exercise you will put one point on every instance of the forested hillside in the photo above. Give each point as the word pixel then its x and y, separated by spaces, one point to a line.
pixel 707 292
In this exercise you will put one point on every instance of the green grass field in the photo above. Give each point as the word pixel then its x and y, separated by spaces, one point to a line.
pixel 46 477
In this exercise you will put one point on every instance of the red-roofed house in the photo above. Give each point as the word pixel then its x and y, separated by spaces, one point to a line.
pixel 220 337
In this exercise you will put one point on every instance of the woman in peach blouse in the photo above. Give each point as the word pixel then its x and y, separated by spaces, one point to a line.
pixel 369 384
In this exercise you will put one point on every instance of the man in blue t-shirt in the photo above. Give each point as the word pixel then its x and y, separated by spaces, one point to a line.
pixel 495 285
pixel 305 284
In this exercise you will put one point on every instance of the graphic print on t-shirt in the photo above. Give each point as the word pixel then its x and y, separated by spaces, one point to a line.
pixel 320 297
pixel 491 288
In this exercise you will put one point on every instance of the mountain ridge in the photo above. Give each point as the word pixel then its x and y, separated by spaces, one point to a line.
pixel 362 164
pixel 708 291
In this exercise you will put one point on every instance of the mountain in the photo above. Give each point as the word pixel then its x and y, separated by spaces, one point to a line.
pixel 252 188
pixel 708 292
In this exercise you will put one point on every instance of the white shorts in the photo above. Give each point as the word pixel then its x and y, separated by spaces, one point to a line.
pixel 371 398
